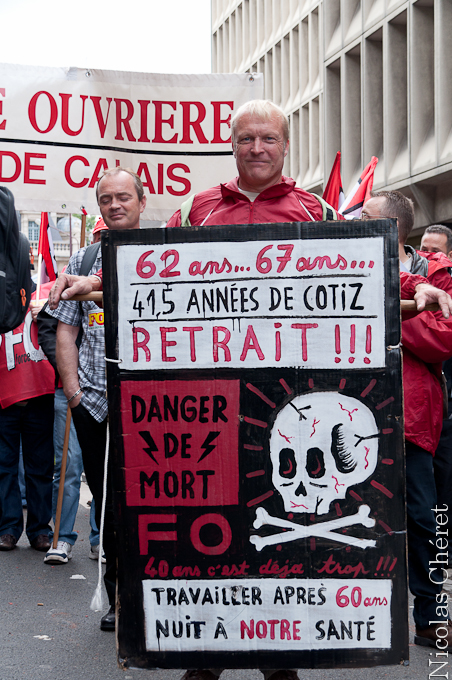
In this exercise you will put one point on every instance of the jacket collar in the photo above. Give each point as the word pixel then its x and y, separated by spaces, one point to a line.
pixel 419 264
pixel 231 189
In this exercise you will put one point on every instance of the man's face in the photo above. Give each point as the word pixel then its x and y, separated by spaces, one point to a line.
pixel 374 209
pixel 435 243
pixel 118 201
pixel 260 150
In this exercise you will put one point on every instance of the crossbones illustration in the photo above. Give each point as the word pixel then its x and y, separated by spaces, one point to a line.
pixel 321 444
pixel 323 529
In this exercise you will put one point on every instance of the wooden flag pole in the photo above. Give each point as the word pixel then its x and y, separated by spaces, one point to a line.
pixel 405 305
pixel 67 430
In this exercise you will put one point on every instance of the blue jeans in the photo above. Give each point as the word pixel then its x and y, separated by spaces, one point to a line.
pixel 31 421
pixel 74 469
pixel 421 528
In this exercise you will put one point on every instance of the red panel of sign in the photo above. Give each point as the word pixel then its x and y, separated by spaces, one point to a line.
pixel 182 443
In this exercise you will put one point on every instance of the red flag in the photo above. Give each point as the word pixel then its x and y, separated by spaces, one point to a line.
pixel 334 193
pixel 354 201
pixel 46 256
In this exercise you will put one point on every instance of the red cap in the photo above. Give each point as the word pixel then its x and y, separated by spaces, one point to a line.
pixel 100 225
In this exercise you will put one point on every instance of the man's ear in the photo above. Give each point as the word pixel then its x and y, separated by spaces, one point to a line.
pixel 233 148
pixel 449 255
pixel 286 150
pixel 142 204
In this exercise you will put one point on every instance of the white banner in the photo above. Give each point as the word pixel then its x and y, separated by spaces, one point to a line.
pixel 60 128
pixel 267 614
pixel 299 303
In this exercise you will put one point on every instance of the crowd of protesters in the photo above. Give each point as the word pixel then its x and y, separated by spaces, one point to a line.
pixel 259 194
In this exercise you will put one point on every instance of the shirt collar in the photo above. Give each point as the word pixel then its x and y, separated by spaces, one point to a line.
pixel 231 189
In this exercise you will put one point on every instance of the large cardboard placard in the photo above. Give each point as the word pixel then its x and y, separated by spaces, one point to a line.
pixel 60 128
pixel 256 421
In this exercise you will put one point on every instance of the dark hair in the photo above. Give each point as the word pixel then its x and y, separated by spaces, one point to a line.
pixel 113 171
pixel 441 229
pixel 399 206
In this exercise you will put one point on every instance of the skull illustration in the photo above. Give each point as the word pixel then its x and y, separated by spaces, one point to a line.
pixel 321 444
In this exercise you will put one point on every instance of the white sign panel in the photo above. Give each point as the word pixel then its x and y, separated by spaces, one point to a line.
pixel 240 615
pixel 61 128
pixel 298 303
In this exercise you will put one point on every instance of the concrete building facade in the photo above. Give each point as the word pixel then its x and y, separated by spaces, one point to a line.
pixel 364 77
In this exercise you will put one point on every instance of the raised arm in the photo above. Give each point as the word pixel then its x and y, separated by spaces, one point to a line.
pixel 67 361
pixel 68 285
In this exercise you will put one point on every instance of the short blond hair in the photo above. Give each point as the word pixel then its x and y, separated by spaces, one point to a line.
pixel 263 109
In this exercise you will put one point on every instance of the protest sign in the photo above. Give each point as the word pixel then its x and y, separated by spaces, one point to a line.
pixel 60 128
pixel 256 421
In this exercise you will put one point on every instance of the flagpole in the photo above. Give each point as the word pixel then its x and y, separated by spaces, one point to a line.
pixel 83 227
pixel 67 430
pixel 38 282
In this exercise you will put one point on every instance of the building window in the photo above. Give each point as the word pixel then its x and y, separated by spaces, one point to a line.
pixel 33 230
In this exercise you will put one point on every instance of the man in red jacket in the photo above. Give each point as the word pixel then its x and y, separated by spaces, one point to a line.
pixel 260 193
pixel 426 343
pixel 438 239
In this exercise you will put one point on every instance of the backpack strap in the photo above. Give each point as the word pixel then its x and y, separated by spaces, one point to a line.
pixel 185 211
pixel 328 213
pixel 89 259
pixel 86 265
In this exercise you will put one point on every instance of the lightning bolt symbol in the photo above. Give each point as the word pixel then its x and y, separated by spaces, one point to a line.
pixel 151 444
pixel 207 445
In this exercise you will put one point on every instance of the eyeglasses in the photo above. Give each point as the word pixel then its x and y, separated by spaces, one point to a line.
pixel 368 216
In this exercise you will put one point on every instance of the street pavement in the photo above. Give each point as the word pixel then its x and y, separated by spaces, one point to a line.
pixel 48 631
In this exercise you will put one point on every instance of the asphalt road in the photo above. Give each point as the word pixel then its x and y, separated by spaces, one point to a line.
pixel 48 631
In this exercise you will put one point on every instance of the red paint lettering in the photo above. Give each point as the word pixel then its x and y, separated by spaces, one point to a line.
pixel 141 344
pixel 16 159
pixel 304 343
pixel 192 330
pixel 195 124
pixel 218 121
pixel 68 168
pixel 65 114
pixel 160 121
pixel 145 534
pixel 144 103
pixel 176 178
pixel 124 120
pixel 2 94
pixel 28 168
pixel 223 344
pixel 147 181
pixel 53 112
pixel 98 170
pixel 101 122
pixel 167 343
pixel 219 521
pixel 251 342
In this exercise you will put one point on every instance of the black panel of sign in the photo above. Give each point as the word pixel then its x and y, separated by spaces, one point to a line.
pixel 257 445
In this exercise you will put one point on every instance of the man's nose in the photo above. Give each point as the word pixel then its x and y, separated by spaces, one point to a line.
pixel 257 145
